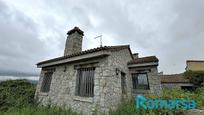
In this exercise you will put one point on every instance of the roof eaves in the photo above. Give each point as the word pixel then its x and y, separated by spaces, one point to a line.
pixel 74 59
pixel 143 60
pixel 195 61
pixel 143 64
pixel 85 52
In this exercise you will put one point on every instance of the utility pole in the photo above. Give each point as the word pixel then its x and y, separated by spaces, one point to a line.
pixel 100 36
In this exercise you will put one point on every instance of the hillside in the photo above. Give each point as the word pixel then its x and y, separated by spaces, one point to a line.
pixel 16 94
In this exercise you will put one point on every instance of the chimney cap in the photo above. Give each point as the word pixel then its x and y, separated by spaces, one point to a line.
pixel 75 29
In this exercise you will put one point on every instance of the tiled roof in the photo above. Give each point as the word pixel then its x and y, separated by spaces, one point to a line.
pixel 173 78
pixel 144 60
pixel 119 47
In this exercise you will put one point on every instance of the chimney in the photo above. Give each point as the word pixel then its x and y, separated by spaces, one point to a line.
pixel 74 41
pixel 136 55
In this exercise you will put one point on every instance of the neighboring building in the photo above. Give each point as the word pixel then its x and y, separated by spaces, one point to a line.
pixel 98 78
pixel 175 81
pixel 178 80
pixel 195 65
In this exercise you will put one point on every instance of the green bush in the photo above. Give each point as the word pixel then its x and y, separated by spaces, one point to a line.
pixel 195 77
pixel 17 98
pixel 16 94
pixel 199 97
pixel 129 108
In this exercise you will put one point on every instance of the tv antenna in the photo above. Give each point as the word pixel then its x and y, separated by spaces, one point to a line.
pixel 100 36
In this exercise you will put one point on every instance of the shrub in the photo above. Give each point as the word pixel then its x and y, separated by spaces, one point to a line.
pixel 128 108
pixel 16 94
pixel 195 77
pixel 199 97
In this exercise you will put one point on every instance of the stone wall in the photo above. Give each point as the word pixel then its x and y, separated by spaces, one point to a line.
pixel 62 89
pixel 171 85
pixel 153 78
pixel 111 81
pixel 107 84
pixel 107 87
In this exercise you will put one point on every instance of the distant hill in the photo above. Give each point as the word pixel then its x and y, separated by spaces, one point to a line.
pixel 16 73
pixel 29 80
pixel 33 81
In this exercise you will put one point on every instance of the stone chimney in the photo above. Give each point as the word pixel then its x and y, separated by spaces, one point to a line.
pixel 136 55
pixel 74 41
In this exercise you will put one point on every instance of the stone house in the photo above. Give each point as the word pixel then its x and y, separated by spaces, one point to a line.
pixel 95 79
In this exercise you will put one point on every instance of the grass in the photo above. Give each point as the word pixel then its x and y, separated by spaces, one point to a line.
pixel 38 110
pixel 129 108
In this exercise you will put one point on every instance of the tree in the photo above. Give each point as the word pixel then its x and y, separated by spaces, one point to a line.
pixel 195 77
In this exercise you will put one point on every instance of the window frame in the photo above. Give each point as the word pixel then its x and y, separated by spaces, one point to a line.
pixel 46 83
pixel 84 87
pixel 123 83
pixel 135 83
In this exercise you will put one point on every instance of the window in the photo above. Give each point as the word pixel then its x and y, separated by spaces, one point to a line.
pixel 123 83
pixel 46 82
pixel 85 82
pixel 140 81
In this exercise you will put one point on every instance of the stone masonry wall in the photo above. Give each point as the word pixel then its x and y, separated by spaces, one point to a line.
pixel 107 87
pixel 171 85
pixel 154 81
pixel 111 83
pixel 62 89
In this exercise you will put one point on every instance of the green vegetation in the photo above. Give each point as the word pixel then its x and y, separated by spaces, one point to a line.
pixel 16 94
pixel 195 77
pixel 129 108
pixel 34 110
pixel 17 98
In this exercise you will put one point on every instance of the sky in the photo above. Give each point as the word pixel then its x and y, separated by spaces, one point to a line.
pixel 35 30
